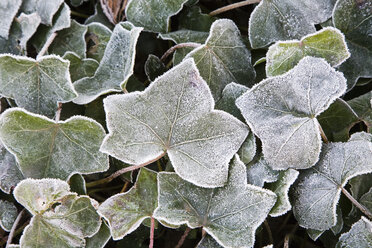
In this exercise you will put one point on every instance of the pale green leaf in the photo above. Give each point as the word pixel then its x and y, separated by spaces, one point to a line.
pixel 248 149
pixel 260 172
pixel 80 68
pixel 223 58
pixel 274 20
pixel 363 107
pixel 97 38
pixel 29 24
pixel 318 189
pixel 126 211
pixel 114 69
pixel 153 15
pixel 282 112
pixel 8 214
pixel 328 43
pixel 154 67
pixel 230 214
pixel 360 235
pixel 44 8
pixel 36 85
pixel 10 174
pixel 8 10
pixel 44 148
pixel 174 115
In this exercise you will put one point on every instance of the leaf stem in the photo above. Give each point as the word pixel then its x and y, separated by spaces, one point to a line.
pixel 357 204
pixel 122 171
pixel 124 187
pixel 58 112
pixel 75 13
pixel 322 133
pixel 233 6
pixel 152 229
pixel 183 238
pixel 12 231
pixel 46 45
pixel 178 46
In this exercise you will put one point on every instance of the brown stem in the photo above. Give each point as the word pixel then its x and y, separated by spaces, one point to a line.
pixel 233 6
pixel 269 232
pixel 122 171
pixel 357 204
pixel 152 229
pixel 286 241
pixel 58 112
pixel 46 45
pixel 322 133
pixel 178 46
pixel 124 187
pixel 183 238
pixel 11 234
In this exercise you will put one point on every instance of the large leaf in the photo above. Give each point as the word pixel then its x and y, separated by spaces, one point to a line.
pixel 8 10
pixel 115 68
pixel 360 235
pixel 125 212
pixel 230 214
pixel 8 214
pixel 60 218
pixel 328 43
pixel 363 107
pixel 282 112
pixel 318 189
pixel 44 148
pixel 10 174
pixel 174 115
pixel 153 15
pixel 224 58
pixel 44 8
pixel 274 20
pixel 36 85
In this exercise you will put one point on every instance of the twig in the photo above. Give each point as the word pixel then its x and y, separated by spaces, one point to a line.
pixel 233 6
pixel 357 204
pixel 122 171
pixel 46 45
pixel 269 232
pixel 58 112
pixel 183 238
pixel 178 46
pixel 152 229
pixel 11 234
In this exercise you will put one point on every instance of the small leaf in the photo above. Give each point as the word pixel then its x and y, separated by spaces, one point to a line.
pixel 114 69
pixel 223 58
pixel 328 43
pixel 260 172
pixel 360 235
pixel 282 112
pixel 37 85
pixel 99 17
pixel 77 3
pixel 58 150
pixel 174 115
pixel 153 15
pixel 8 10
pixel 97 39
pixel 230 214
pixel 366 200
pixel 8 214
pixel 10 175
pixel 80 68
pixel 126 211
pixel 154 67
pixel 363 108
pixel 248 149
pixel 318 189
pixel 100 239
pixel 359 186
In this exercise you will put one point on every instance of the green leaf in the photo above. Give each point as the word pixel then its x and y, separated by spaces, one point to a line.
pixel 208 242
pixel 100 239
pixel 8 10
pixel 359 186
pixel 153 15
pixel 174 115
pixel 126 211
pixel 10 174
pixel 37 85
pixel 282 112
pixel 193 19
pixel 223 58
pixel 230 214
pixel 8 214
pixel 274 20
pixel 360 235
pixel 80 68
pixel 154 67
pixel 29 24
pixel 97 37
pixel 71 39
pixel 77 3
pixel 366 200
pixel 363 107
pixel 318 189
pixel 328 43
pixel 248 149
pixel 99 17
pixel 58 150
pixel 114 69
pixel 77 184
pixel 44 8
pixel 260 172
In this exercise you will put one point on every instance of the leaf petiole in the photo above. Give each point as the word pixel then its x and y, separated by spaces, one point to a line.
pixel 178 46
pixel 233 6
pixel 357 204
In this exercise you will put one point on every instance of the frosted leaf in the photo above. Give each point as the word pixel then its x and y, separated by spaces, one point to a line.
pixel 29 24
pixel 274 20
pixel 192 18
pixel 282 112
pixel 230 214
pixel 8 214
pixel 80 68
pixel 314 234
pixel 58 150
pixel 174 115
pixel 318 189
pixel 44 8
pixel 223 58
pixel 248 149
pixel 362 106
pixel 97 38
pixel 10 175
pixel 360 235
pixel 328 43
pixel 100 239
pixel 153 15
pixel 126 211
pixel 359 186
pixel 8 10
pixel 77 184
pixel 260 172
pixel 208 242
pixel 281 188
pixel 154 67
pixel 70 39
pixel 60 218
pixel 36 85
pixel 114 69
pixel 366 200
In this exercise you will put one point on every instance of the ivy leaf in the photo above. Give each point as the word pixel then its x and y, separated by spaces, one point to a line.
pixel 44 8
pixel 115 67
pixel 328 43
pixel 276 20
pixel 36 85
pixel 363 107
pixel 153 15
pixel 174 115
pixel 77 3
pixel 223 58
pixel 366 200
pixel 8 10
pixel 99 17
pixel 97 37
pixel 359 186
pixel 318 189
pixel 260 172
pixel 100 239
pixel 29 24
pixel 126 211
pixel 60 218
pixel 10 175
pixel 59 149
pixel 360 235
pixel 80 68
pixel 282 112
pixel 208 242
pixel 230 214
pixel 8 214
